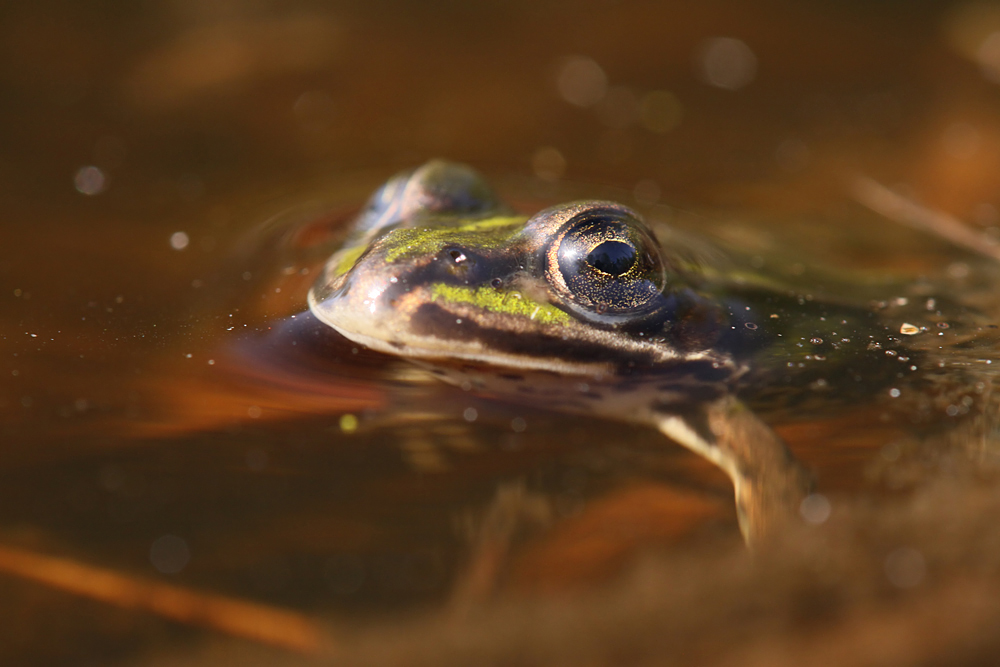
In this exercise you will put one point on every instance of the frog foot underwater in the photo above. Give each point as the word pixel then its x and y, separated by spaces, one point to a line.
pixel 518 543
pixel 769 484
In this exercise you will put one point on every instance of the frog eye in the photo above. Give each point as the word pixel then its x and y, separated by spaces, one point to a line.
pixel 605 260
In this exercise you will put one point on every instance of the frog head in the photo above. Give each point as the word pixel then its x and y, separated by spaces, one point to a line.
pixel 439 268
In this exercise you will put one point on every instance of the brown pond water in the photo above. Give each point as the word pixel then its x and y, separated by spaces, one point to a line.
pixel 180 486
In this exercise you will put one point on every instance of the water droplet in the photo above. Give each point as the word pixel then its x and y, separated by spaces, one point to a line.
pixel 548 164
pixel 660 111
pixel 815 508
pixel 348 423
pixel 726 63
pixel 90 181
pixel 169 554
pixel 179 240
pixel 892 451
pixel 958 270
pixel 581 81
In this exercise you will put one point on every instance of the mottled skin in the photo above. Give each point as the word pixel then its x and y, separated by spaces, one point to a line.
pixel 580 308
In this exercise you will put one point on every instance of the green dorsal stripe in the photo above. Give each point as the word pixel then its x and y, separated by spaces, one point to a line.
pixel 416 241
pixel 346 259
pixel 492 223
pixel 501 301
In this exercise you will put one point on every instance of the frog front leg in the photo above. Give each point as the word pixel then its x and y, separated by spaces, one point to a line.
pixel 768 482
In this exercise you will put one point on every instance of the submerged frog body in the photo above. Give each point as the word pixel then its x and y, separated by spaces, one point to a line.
pixel 580 309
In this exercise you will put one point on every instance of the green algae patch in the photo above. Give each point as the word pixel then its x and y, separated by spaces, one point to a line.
pixel 500 301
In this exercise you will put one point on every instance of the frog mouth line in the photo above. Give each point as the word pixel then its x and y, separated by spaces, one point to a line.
pixel 429 346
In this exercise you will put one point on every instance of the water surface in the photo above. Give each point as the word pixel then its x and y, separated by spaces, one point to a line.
pixel 173 173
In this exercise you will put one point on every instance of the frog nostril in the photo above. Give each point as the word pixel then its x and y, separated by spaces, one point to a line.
pixel 457 255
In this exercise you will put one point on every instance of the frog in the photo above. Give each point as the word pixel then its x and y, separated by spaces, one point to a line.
pixel 579 308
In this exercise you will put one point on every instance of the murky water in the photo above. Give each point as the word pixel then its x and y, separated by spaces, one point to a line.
pixel 172 175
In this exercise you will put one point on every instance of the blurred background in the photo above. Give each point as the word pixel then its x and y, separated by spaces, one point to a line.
pixel 140 142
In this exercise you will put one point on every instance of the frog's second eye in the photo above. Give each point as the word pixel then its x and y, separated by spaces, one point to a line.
pixel 438 188
pixel 606 261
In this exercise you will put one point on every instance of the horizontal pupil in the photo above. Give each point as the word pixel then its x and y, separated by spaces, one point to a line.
pixel 612 257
